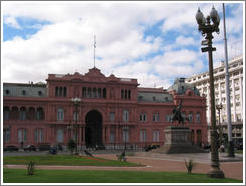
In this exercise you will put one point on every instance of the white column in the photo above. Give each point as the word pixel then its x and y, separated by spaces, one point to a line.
pixel 241 95
pixel 233 100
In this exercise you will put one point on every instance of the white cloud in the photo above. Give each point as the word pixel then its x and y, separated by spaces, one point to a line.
pixel 66 45
pixel 181 40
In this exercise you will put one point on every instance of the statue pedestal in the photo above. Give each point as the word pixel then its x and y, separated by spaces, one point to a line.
pixel 177 140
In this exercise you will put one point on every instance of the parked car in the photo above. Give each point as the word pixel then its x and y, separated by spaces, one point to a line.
pixel 53 150
pixel 44 147
pixel 30 148
pixel 10 148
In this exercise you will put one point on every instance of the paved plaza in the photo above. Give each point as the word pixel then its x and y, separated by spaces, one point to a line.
pixel 232 167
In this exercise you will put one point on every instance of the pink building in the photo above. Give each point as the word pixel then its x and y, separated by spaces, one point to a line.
pixel 110 112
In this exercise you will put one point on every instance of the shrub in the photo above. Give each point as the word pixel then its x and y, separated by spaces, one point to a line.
pixel 30 168
pixel 71 145
pixel 189 166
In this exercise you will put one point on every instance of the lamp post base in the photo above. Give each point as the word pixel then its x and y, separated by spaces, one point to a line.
pixel 231 149
pixel 216 174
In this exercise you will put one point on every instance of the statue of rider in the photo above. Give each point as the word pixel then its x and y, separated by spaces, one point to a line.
pixel 177 114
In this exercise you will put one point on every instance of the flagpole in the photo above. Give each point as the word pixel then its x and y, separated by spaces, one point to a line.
pixel 228 102
pixel 94 50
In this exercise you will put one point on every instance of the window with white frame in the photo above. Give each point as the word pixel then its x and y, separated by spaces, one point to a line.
pixel 143 117
pixel 190 117
pixel 143 135
pixel 112 136
pixel 156 136
pixel 22 113
pixel 22 135
pixel 6 134
pixel 60 114
pixel 125 115
pixel 59 135
pixel 75 116
pixel 39 137
pixel 125 135
pixel 112 116
pixel 156 117
pixel 169 118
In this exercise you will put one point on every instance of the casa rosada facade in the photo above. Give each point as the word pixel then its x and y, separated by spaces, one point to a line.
pixel 96 110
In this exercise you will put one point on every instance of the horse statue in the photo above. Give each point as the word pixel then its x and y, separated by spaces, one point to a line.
pixel 177 114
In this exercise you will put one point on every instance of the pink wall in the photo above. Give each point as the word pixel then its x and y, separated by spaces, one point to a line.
pixel 112 103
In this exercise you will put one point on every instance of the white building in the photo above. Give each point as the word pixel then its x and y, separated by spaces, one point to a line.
pixel 201 81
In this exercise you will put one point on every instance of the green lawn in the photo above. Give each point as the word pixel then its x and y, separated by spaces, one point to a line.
pixel 71 160
pixel 93 176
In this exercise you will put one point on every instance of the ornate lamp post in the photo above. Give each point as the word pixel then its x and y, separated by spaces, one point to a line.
pixel 206 28
pixel 219 107
pixel 76 101
pixel 125 129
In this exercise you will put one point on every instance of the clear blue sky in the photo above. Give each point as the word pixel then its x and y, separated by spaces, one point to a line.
pixel 154 42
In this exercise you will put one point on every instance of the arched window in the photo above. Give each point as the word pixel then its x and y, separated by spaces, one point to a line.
pixel 60 91
pixel 122 94
pixel 64 91
pixel 129 94
pixel 40 93
pixel 198 117
pixel 94 92
pixel 56 91
pixel 7 92
pixel 125 94
pixel 89 92
pixel 104 93
pixel 31 113
pixel 23 92
pixel 22 113
pixel 40 114
pixel 125 115
pixel 6 113
pixel 99 92
pixel 60 114
pixel 84 92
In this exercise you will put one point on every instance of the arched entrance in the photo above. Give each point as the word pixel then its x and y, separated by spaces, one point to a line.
pixel 93 129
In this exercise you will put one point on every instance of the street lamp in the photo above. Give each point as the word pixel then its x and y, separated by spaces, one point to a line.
pixel 219 107
pixel 76 101
pixel 206 28
pixel 125 129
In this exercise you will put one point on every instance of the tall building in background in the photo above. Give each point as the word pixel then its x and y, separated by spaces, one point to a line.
pixel 201 81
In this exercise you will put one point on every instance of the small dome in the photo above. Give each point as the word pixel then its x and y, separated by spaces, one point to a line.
pixel 180 87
